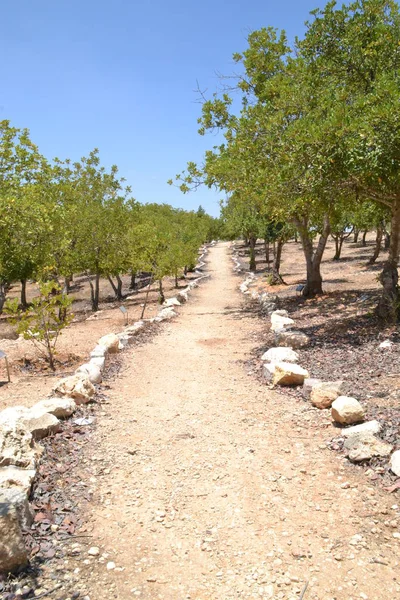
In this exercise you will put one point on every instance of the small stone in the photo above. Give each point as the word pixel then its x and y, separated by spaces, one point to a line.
pixel 94 551
pixel 280 354
pixel 293 339
pixel 110 566
pixel 289 374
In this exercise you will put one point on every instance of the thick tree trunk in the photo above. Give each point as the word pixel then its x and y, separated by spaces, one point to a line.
pixel 378 245
pixel 364 238
pixel 356 234
pixel 252 243
pixel 388 307
pixel 313 286
pixel 24 302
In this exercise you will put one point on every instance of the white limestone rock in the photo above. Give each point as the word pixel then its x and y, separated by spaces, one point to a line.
pixel 15 477
pixel 17 446
pixel 280 320
pixel 13 553
pixel 323 394
pixel 172 302
pixel 92 372
pixel 280 354
pixel 364 446
pixel 62 408
pixel 395 463
pixel 39 424
pixel 99 351
pixel 77 387
pixel 110 342
pixel 18 497
pixel 347 410
pixel 99 361
pixel 293 339
pixel 368 427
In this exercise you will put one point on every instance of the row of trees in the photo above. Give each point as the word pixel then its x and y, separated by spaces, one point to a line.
pixel 315 142
pixel 59 218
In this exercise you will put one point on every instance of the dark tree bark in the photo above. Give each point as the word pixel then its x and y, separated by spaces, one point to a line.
pixel 266 247
pixel 364 238
pixel 176 279
pixel 117 289
pixel 275 277
pixel 24 302
pixel 356 234
pixel 95 292
pixel 133 280
pixel 161 291
pixel 313 257
pixel 388 307
pixel 378 245
pixel 252 244
pixel 3 294
pixel 387 240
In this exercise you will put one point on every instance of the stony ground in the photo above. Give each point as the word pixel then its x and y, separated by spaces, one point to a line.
pixel 200 483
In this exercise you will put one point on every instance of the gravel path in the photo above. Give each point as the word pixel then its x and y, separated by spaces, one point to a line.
pixel 209 486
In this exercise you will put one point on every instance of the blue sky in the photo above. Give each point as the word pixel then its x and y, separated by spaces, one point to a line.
pixel 120 75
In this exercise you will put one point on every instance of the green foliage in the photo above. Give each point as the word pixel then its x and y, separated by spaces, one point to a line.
pixel 45 319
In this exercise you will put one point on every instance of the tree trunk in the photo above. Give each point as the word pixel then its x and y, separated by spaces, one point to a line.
pixel 313 258
pixel 176 279
pixel 364 238
pixel 276 265
pixel 95 292
pixel 133 280
pixel 356 234
pixel 266 246
pixel 119 287
pixel 24 302
pixel 252 266
pixel 3 293
pixel 387 240
pixel 378 245
pixel 337 249
pixel 388 306
pixel 161 291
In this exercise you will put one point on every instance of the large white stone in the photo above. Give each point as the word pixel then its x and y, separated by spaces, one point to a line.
pixel 98 352
pixel 279 321
pixel 395 463
pixel 280 354
pixel 172 302
pixel 364 446
pixel 40 424
pixel 368 427
pixel 18 497
pixel 183 296
pixel 16 477
pixel 289 374
pixel 347 410
pixel 99 361
pixel 167 313
pixel 77 387
pixel 17 446
pixel 92 371
pixel 110 342
pixel 62 408
pixel 13 553
pixel 132 329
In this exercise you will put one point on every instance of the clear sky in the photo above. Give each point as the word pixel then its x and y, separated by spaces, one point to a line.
pixel 120 75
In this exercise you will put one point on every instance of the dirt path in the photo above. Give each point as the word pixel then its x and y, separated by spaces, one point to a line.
pixel 207 485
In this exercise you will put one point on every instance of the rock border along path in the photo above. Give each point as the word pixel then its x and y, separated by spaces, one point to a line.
pixel 361 444
pixel 21 428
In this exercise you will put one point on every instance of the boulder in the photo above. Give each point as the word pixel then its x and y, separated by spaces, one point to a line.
pixel 15 477
pixel 280 354
pixel 308 385
pixel 92 372
pixel 77 387
pixel 280 321
pixel 182 296
pixel 98 361
pixel 293 339
pixel 347 410
pixel 368 427
pixel 13 553
pixel 289 374
pixel 41 424
pixel 132 329
pixel 364 446
pixel 172 302
pixel 17 446
pixel 18 497
pixel 395 463
pixel 323 394
pixel 167 313
pixel 110 342
pixel 62 408
pixel 99 351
